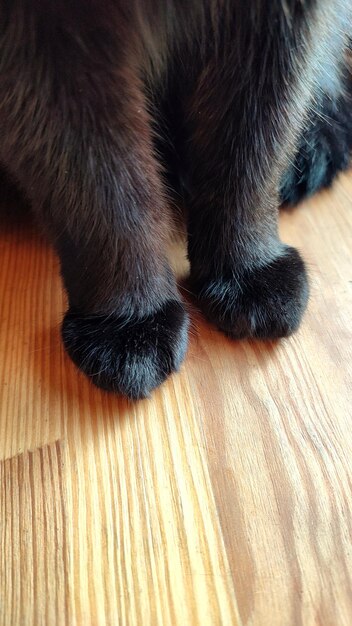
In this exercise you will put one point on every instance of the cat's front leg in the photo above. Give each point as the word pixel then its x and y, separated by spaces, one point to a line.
pixel 126 327
pixel 76 135
pixel 244 118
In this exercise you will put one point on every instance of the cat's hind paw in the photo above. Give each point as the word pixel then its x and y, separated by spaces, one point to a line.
pixel 324 150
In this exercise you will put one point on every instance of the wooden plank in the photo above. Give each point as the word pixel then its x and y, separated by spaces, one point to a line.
pixel 225 499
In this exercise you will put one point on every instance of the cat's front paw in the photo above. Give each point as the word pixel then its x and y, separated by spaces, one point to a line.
pixel 128 356
pixel 267 302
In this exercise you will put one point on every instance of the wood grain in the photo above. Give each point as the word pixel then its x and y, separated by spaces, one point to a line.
pixel 223 500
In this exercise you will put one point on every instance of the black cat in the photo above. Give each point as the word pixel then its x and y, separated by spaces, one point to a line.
pixel 235 102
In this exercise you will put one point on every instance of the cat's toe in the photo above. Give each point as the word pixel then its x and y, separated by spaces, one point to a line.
pixel 128 356
pixel 267 302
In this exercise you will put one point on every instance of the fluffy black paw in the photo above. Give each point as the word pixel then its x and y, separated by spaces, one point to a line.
pixel 128 356
pixel 267 302
pixel 324 150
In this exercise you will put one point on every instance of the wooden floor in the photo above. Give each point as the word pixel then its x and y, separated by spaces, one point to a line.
pixel 226 499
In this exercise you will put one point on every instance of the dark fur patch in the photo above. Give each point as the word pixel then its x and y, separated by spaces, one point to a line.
pixel 128 356
pixel 86 86
pixel 267 302
pixel 324 150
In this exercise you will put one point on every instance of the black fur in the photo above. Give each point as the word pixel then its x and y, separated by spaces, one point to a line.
pixel 324 149
pixel 267 302
pixel 128 356
pixel 102 101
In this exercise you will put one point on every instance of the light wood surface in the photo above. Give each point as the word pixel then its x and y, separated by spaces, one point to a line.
pixel 223 500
